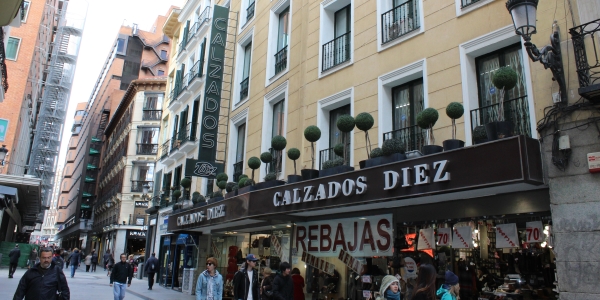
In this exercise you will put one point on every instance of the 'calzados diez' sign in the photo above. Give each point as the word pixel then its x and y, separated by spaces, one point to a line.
pixel 206 165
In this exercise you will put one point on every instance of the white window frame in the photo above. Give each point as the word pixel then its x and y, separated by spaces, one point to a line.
pixel 18 47
pixel 26 12
pixel 126 39
pixel 244 14
pixel 324 106
pixel 271 98
pixel 479 46
pixel 326 31
pixel 387 82
pixel 237 120
pixel 384 6
pixel 247 38
pixel 461 11
pixel 276 9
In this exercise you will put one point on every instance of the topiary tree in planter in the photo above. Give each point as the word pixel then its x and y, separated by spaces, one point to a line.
pixel 229 186
pixel 426 119
pixel 253 163
pixel 250 182
pixel 505 78
pixel 454 110
pixel 186 183
pixel 278 143
pixel 222 185
pixel 377 152
pixel 270 176
pixel 392 146
pixel 479 135
pixel 242 181
pixel 339 150
pixel 176 195
pixel 222 177
pixel 294 154
pixel 267 158
pixel 364 121
pixel 345 124
pixel 336 162
pixel 312 134
pixel 217 194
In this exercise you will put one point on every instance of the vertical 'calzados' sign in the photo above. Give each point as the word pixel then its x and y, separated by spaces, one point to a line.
pixel 207 152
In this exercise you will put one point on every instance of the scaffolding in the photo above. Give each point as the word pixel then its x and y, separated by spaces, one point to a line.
pixel 55 99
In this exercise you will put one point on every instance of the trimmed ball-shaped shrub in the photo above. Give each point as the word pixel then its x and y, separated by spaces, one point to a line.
pixel 270 177
pixel 455 110
pixel 243 176
pixel 242 181
pixel 505 77
pixel 195 195
pixel 235 187
pixel 222 184
pixel 222 177
pixel 253 163
pixel 479 133
pixel 266 157
pixel 185 182
pixel 392 146
pixel 377 152
pixel 339 149
pixel 176 194
pixel 200 199
pixel 312 133
pixel 345 123
pixel 364 121
pixel 217 194
pixel 278 142
pixel 427 118
pixel 293 153
pixel 333 163
pixel 229 186
pixel 249 182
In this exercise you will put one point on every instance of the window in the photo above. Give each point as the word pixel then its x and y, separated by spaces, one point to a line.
pixel 177 177
pixel 153 102
pixel 246 72
pixel 163 54
pixel 148 135
pixel 238 166
pixel 277 125
pixel 278 49
pixel 26 5
pixel 335 34
pixel 274 120
pixel 80 113
pixel 329 109
pixel 283 37
pixel 12 48
pixel 335 135
pixel 121 45
pixel 160 73
pixel 407 102
pixel 400 19
pixel 250 10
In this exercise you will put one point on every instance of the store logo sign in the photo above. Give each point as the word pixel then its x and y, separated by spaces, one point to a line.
pixel 197 217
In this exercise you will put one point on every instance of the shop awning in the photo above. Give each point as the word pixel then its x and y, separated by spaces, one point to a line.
pixel 29 190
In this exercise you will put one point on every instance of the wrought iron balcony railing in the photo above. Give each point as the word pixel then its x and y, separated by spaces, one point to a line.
pixel 399 21
pixel 195 71
pixel 244 88
pixel 164 149
pixel 281 60
pixel 329 154
pixel 151 115
pixel 413 137
pixel 465 3
pixel 138 185
pixel 147 149
pixel 336 51
pixel 516 111
pixel 586 41
pixel 238 169
pixel 183 136
pixel 250 12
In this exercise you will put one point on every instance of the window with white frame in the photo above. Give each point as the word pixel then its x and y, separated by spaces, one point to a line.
pixel 12 48
pixel 243 67
pixel 237 144
pixel 26 5
pixel 329 109
pixel 465 6
pixel 240 144
pixel 274 120
pixel 246 71
pixel 121 45
pixel 279 39
pixel 336 34
pixel 399 19
pixel 247 11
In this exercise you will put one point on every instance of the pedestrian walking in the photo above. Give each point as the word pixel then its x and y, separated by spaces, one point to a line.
pixel 298 281
pixel 74 261
pixel 107 255
pixel 210 283
pixel 58 261
pixel 43 281
pixel 425 289
pixel 66 255
pixel 14 256
pixel 110 264
pixel 33 258
pixel 245 281
pixel 94 260
pixel 122 273
pixel 88 262
pixel 266 286
pixel 151 269
pixel 283 285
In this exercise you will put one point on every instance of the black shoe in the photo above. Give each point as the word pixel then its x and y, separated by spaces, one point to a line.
pixel 149 289
pixel 10 276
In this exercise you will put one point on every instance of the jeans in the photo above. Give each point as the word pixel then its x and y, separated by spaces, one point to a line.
pixel 73 269
pixel 150 280
pixel 119 290
pixel 11 269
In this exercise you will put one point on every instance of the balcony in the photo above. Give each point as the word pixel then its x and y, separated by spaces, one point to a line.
pixel 164 149
pixel 585 40
pixel 281 60
pixel 147 149
pixel 182 142
pixel 465 3
pixel 515 111
pixel 413 137
pixel 329 154
pixel 138 185
pixel 238 169
pixel 399 21
pixel 151 115
pixel 336 52
pixel 198 29
pixel 194 75
pixel 181 47
pixel 244 88
pixel 250 12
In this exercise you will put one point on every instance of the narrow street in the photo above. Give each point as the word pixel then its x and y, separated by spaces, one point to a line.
pixel 94 286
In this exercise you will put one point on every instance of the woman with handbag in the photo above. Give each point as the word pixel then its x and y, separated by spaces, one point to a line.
pixel 266 287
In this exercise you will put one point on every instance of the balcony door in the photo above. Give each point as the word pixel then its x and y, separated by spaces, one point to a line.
pixel 335 135
pixel 342 35
pixel 239 152
pixel 277 125
pixel 407 103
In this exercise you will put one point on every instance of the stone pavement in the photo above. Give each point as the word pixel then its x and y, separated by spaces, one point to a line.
pixel 95 286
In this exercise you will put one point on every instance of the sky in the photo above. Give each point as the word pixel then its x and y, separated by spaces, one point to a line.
pixel 101 28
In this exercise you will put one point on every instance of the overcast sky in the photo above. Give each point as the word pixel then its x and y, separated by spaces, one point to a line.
pixel 101 27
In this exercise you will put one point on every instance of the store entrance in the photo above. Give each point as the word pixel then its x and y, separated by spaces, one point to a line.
pixel 136 246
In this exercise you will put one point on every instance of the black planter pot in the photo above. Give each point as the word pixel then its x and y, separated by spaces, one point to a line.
pixel 382 160
pixel 246 189
pixel 481 141
pixel 453 144
pixel 432 149
pixel 199 204
pixel 498 130
pixel 231 194
pixel 335 170
pixel 294 178
pixel 308 174
pixel 362 164
pixel 215 199
pixel 268 184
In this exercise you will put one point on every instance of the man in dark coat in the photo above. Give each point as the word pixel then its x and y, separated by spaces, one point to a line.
pixel 43 281
pixel 94 260
pixel 151 269
pixel 74 260
pixel 245 281
pixel 283 285
pixel 106 258
pixel 122 273
pixel 14 255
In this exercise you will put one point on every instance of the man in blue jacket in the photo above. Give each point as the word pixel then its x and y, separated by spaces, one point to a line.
pixel 74 260
pixel 43 281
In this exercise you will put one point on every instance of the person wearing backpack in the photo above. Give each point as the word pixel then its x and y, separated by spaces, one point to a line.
pixel 94 260
pixel 390 288
pixel 151 269
pixel 58 261
pixel 43 281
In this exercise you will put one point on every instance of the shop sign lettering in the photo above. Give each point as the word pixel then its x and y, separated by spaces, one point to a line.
pixel 141 204
pixel 136 233
pixel 371 236
pixel 197 217
pixel 411 176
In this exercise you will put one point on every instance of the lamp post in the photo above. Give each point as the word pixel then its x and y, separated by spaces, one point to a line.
pixel 523 13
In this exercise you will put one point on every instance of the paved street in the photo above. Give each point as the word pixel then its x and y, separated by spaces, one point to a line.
pixel 94 286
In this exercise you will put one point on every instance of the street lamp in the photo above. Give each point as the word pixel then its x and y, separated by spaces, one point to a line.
pixel 523 13
pixel 3 153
